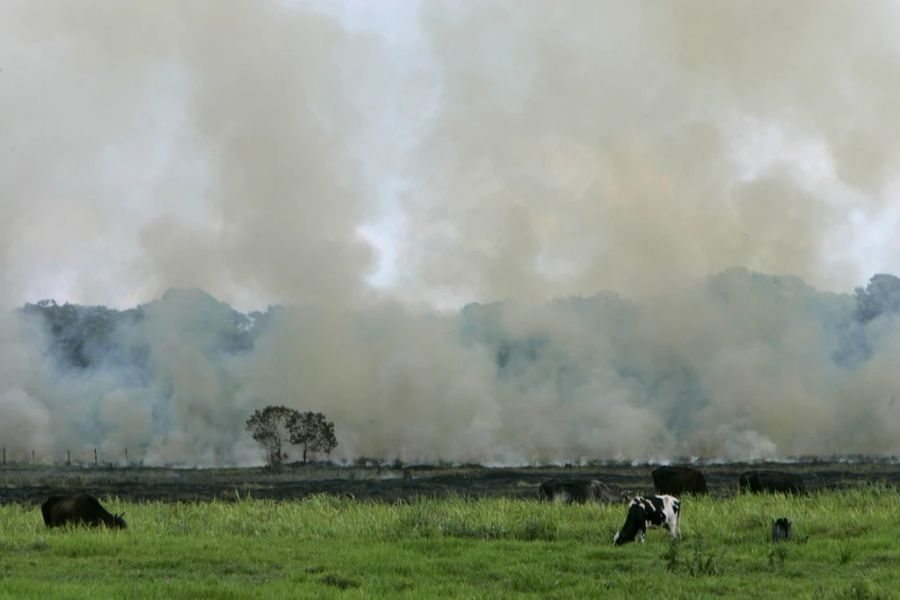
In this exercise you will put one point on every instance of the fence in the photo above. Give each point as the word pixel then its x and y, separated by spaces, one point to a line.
pixel 37 459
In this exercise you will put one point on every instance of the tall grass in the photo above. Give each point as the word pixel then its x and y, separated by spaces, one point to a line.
pixel 845 544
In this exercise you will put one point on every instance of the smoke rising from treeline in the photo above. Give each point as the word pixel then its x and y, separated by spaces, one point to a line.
pixel 753 367
pixel 597 168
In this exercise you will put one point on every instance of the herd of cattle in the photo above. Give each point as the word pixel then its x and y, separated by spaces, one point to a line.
pixel 672 481
pixel 660 510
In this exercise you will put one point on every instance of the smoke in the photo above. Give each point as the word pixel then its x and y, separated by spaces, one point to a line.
pixel 139 135
pixel 739 365
pixel 26 421
pixel 583 147
pixel 600 167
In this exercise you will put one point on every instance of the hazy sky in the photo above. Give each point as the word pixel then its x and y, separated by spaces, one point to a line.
pixel 443 152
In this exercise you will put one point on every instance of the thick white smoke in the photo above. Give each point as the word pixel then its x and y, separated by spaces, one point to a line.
pixel 740 366
pixel 540 151
pixel 589 146
pixel 25 422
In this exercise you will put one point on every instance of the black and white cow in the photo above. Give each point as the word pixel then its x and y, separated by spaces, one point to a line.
pixel 649 511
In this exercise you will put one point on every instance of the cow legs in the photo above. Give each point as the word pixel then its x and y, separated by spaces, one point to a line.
pixel 673 527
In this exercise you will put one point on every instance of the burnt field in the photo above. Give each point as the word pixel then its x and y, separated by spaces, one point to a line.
pixel 31 484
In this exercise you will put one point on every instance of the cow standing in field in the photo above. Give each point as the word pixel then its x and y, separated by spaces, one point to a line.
pixel 775 482
pixel 677 481
pixel 650 511
pixel 576 491
pixel 80 509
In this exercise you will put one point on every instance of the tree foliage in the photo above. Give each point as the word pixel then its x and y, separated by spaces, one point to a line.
pixel 313 432
pixel 88 337
pixel 269 427
pixel 276 426
pixel 881 296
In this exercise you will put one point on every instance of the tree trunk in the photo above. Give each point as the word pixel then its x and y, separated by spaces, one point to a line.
pixel 276 456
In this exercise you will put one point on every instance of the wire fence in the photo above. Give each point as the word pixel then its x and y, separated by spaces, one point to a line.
pixel 80 459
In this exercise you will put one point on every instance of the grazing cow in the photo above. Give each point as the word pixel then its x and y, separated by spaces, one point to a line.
pixel 650 511
pixel 774 482
pixel 576 491
pixel 677 481
pixel 84 509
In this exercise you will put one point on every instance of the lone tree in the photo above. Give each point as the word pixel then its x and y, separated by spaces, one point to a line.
pixel 271 428
pixel 313 432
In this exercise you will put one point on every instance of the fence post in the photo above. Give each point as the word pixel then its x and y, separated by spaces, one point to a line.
pixel 4 455
pixel 68 457
pixel 126 457
pixel 95 457
pixel 781 530
pixel 32 456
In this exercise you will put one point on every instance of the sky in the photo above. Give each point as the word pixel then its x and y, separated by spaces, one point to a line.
pixel 440 153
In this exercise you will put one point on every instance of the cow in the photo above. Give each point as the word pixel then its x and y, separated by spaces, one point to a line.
pixel 649 511
pixel 771 481
pixel 580 491
pixel 677 481
pixel 82 508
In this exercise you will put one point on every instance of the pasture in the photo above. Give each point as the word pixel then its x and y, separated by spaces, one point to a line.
pixel 846 545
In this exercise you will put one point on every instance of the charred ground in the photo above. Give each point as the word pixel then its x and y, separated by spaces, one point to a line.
pixel 32 484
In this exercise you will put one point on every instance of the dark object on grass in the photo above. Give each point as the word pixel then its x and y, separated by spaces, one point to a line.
pixel 781 530
pixel 775 482
pixel 576 491
pixel 79 509
pixel 676 481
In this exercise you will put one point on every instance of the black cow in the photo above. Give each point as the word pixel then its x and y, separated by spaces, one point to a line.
pixel 576 491
pixel 84 509
pixel 774 482
pixel 650 511
pixel 677 481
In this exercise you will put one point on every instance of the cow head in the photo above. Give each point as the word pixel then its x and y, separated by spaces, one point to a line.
pixel 634 525
pixel 119 522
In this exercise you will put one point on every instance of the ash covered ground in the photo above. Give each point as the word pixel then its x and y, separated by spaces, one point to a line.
pixel 32 484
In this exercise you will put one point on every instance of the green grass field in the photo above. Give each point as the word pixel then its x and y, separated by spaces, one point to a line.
pixel 846 545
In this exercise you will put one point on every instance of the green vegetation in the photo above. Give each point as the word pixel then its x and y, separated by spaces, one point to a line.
pixel 846 545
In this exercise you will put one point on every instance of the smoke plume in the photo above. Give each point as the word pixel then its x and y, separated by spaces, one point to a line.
pixel 657 212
